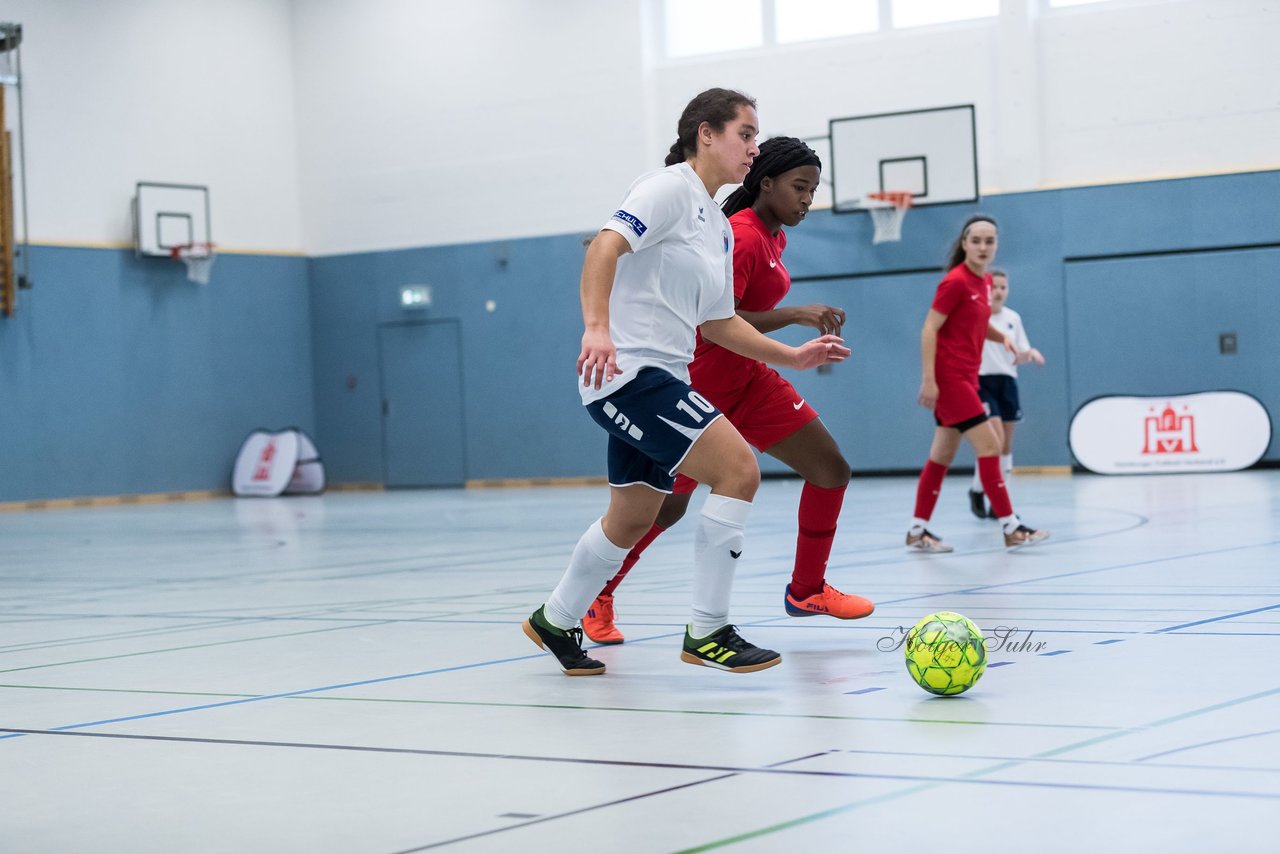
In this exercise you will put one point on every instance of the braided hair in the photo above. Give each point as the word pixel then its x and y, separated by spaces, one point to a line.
pixel 958 253
pixel 716 107
pixel 777 155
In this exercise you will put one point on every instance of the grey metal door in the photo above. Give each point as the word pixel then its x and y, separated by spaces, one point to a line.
pixel 423 440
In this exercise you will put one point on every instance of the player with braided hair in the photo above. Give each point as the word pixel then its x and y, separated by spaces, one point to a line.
pixel 765 408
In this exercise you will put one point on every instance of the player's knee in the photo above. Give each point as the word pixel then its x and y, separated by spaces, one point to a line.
pixel 833 474
pixel 738 477
pixel 625 533
pixel 673 510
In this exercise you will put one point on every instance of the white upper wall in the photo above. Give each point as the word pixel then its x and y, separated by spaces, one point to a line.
pixel 436 122
pixel 347 125
pixel 176 91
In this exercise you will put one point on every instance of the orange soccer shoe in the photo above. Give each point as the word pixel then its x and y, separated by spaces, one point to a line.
pixel 598 622
pixel 830 602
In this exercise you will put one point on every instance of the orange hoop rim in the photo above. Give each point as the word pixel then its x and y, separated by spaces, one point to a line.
pixel 898 198
pixel 185 251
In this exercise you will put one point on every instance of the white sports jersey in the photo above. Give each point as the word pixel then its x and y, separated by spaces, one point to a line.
pixel 995 358
pixel 678 274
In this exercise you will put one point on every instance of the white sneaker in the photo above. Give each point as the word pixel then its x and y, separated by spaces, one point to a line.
pixel 927 542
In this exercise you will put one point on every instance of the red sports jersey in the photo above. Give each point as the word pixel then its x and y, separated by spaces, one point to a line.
pixel 760 281
pixel 965 298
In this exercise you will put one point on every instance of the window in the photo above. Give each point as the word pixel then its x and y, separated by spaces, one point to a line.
pixel 698 27
pixel 918 13
pixel 808 20
pixel 712 26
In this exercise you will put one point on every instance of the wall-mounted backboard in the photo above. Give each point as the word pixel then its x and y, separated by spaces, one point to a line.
pixel 932 154
pixel 169 215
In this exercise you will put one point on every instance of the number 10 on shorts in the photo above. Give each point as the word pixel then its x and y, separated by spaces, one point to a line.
pixel 698 401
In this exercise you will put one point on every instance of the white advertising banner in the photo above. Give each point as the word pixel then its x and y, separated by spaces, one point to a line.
pixel 1204 432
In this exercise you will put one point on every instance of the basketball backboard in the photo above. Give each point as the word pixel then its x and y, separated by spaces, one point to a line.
pixel 932 154
pixel 169 215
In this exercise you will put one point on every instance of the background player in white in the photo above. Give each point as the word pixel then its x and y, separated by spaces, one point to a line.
pixel 998 382
pixel 660 269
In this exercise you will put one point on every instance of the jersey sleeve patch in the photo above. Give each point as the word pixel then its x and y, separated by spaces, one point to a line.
pixel 631 221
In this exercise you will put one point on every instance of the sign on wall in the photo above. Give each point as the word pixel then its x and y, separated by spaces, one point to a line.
pixel 1204 432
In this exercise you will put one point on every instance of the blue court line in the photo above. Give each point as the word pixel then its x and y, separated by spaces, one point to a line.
pixel 1214 619
pixel 1104 642
pixel 1000 664
pixel 1056 652
pixel 1207 744
pixel 864 691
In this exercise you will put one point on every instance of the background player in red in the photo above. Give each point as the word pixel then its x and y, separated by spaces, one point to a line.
pixel 764 407
pixel 951 344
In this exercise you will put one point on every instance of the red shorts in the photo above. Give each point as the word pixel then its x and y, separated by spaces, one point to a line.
pixel 958 401
pixel 766 410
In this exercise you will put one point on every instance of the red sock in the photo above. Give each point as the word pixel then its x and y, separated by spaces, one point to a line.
pixel 819 510
pixel 632 557
pixel 993 485
pixel 928 488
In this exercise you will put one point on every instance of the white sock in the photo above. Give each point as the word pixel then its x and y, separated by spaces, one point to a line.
pixel 1010 523
pixel 717 542
pixel 917 525
pixel 977 479
pixel 595 560
pixel 1006 463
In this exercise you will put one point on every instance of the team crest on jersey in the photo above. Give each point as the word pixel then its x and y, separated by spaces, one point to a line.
pixel 701 218
pixel 725 235
pixel 631 221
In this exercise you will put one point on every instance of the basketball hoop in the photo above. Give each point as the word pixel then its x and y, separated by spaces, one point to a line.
pixel 888 209
pixel 199 260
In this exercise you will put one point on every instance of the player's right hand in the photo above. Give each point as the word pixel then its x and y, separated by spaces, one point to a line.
pixel 827 319
pixel 598 362
pixel 928 397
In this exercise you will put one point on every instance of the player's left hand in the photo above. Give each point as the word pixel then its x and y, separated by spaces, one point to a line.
pixel 827 319
pixel 820 351
pixel 1010 347
pixel 1033 356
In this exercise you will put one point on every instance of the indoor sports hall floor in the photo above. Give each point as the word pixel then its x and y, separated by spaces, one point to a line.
pixel 347 674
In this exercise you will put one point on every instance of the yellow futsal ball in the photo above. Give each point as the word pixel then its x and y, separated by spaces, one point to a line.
pixel 945 653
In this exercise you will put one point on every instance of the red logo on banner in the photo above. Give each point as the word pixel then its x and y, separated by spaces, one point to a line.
pixel 263 469
pixel 1169 433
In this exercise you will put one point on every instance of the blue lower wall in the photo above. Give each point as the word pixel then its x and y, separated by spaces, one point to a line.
pixel 1124 288
pixel 118 376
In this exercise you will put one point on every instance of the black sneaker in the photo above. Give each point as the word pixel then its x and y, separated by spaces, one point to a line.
pixel 565 645
pixel 978 505
pixel 727 650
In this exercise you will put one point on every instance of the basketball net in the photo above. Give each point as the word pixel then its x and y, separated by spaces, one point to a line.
pixel 888 209
pixel 199 260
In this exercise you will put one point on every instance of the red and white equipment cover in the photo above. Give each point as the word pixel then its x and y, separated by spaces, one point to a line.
pixel 282 462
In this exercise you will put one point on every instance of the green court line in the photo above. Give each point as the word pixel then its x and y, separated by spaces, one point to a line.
pixel 192 646
pixel 827 813
pixel 576 708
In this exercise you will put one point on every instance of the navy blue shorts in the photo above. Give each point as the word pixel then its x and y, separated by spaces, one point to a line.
pixel 1000 393
pixel 652 423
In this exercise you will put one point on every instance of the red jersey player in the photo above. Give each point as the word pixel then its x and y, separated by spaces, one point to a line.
pixel 951 342
pixel 764 407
